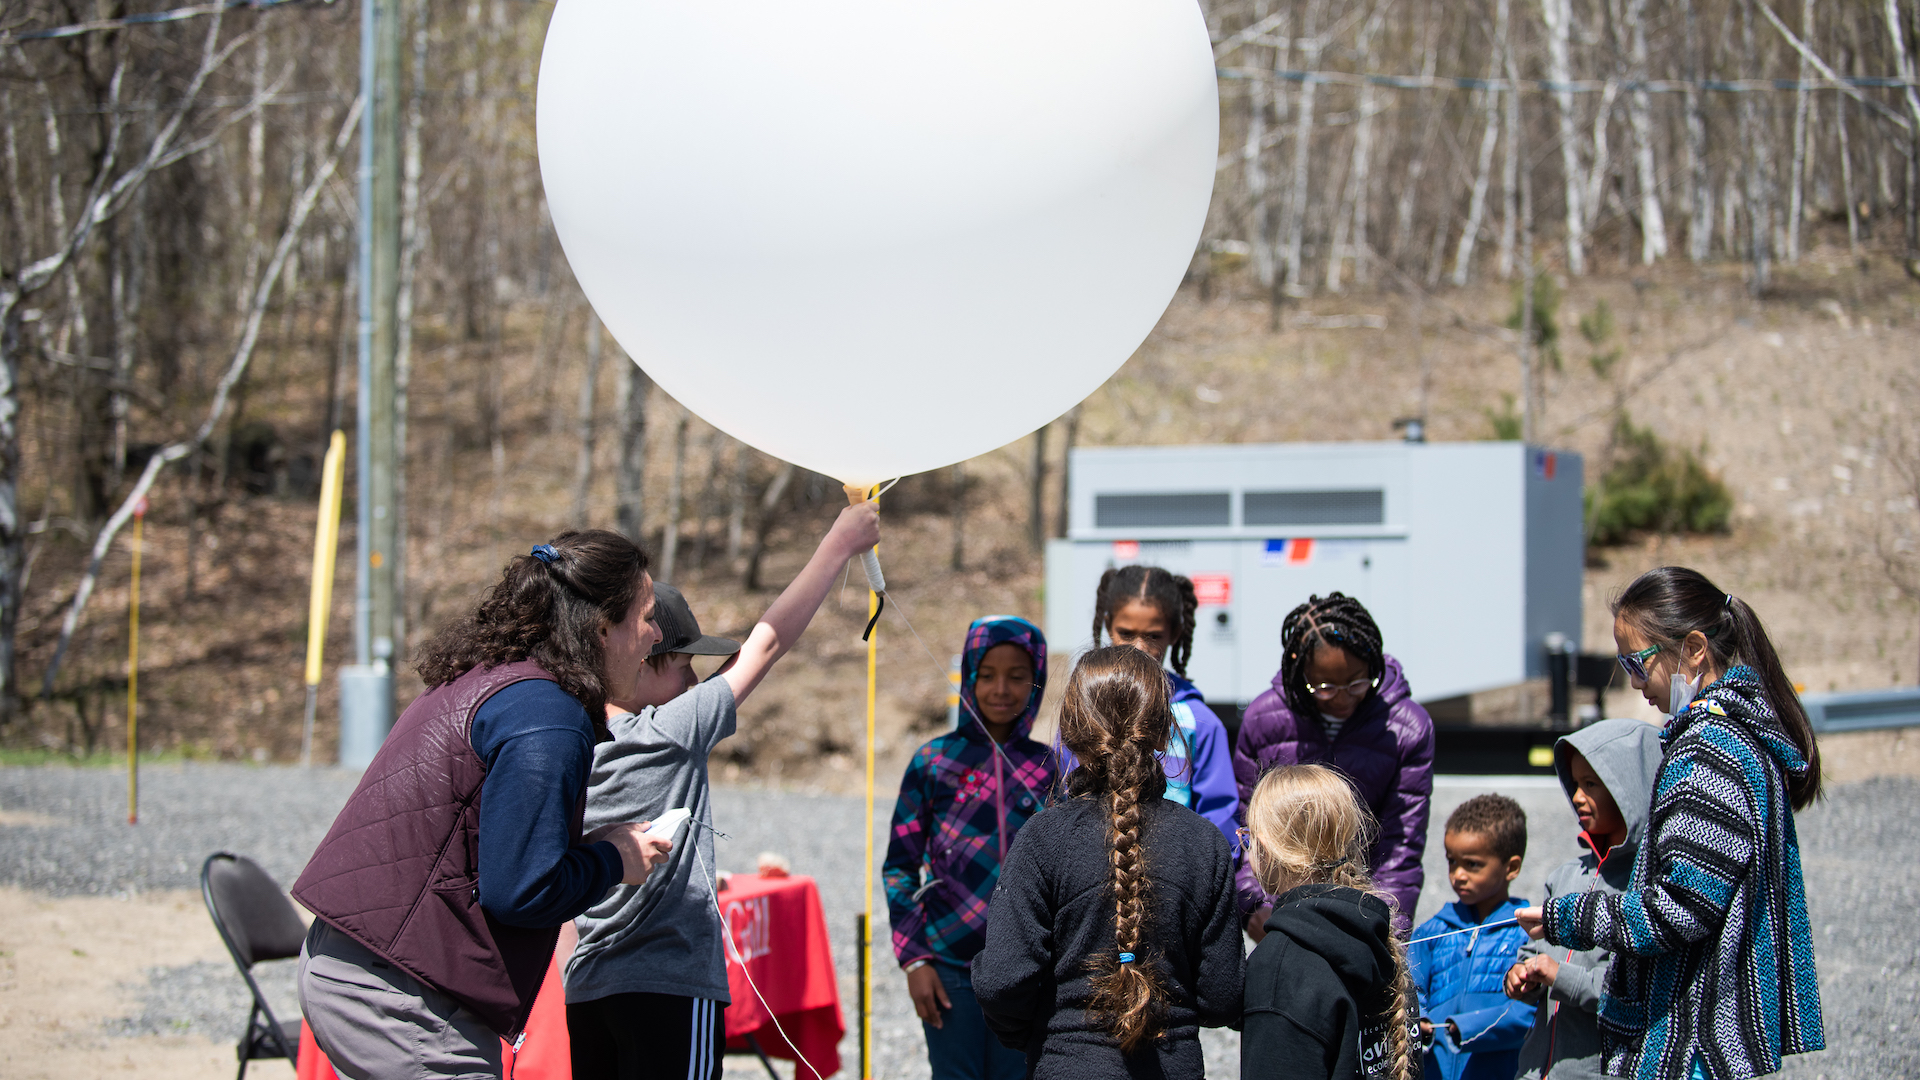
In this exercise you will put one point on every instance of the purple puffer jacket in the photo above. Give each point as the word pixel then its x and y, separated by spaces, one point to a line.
pixel 1386 748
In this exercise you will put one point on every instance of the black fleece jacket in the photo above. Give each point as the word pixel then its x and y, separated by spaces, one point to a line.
pixel 1053 910
pixel 1319 988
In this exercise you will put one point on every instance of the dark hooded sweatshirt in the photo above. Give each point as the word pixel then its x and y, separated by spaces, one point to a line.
pixel 1319 991
pixel 1053 912
pixel 1565 1041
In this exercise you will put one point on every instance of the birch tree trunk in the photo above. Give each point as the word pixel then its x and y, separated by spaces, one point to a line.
pixel 670 544
pixel 1653 223
pixel 630 477
pixel 584 425
pixel 1700 199
pixel 1350 229
pixel 1302 143
pixel 1759 172
pixel 1489 139
pixel 1904 63
pixel 1510 161
pixel 1558 17
pixel 1796 195
pixel 1253 166
pixel 1846 176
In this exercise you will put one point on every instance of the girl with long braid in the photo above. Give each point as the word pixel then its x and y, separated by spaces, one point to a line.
pixel 1153 611
pixel 1339 699
pixel 1329 995
pixel 1113 935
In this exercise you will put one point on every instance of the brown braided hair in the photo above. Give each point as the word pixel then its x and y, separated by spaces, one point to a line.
pixel 1115 717
pixel 1307 827
pixel 551 613
pixel 1170 592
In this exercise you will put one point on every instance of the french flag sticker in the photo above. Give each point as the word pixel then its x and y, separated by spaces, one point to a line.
pixel 1294 552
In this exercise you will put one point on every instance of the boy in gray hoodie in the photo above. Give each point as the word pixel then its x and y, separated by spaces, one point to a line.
pixel 1608 771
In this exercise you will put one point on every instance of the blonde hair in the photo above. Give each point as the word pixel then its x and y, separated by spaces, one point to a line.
pixel 1306 827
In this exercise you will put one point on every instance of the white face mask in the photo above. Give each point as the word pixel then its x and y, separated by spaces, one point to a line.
pixel 1680 692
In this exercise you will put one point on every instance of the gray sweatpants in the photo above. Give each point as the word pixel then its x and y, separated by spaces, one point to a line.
pixel 376 1022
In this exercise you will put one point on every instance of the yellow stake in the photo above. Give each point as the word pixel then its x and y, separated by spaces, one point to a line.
pixel 855 496
pixel 326 542
pixel 133 673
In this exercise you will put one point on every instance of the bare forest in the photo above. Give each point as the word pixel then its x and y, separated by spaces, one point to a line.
pixel 177 323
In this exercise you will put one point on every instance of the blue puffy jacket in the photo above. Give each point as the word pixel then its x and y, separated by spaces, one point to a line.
pixel 1459 979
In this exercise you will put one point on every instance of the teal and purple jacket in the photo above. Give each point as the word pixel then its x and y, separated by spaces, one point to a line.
pixel 960 805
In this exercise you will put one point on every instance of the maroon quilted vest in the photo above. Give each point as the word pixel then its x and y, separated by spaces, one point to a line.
pixel 399 870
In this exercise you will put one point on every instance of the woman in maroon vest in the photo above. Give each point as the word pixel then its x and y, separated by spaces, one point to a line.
pixel 442 885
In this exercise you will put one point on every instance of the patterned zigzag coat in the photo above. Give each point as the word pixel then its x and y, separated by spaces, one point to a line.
pixel 1713 955
pixel 960 805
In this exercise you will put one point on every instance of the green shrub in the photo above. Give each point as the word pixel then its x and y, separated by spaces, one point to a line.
pixel 1648 486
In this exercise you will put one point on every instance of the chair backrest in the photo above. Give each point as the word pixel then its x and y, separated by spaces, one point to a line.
pixel 250 910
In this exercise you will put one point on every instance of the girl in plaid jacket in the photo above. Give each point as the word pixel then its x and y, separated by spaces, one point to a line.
pixel 964 796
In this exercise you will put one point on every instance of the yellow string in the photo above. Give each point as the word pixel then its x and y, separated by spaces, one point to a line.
pixel 133 680
pixel 866 952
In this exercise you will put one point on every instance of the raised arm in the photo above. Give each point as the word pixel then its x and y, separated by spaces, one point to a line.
pixel 856 530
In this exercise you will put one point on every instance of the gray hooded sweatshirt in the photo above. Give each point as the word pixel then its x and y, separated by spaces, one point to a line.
pixel 1565 1041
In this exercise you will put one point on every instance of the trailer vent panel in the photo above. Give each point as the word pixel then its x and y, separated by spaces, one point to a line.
pixel 1366 507
pixel 1184 509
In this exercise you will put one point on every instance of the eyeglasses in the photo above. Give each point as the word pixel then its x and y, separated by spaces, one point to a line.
pixel 1327 691
pixel 1635 663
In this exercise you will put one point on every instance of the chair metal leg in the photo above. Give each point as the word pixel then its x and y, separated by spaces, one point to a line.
pixel 246 1040
pixel 754 1042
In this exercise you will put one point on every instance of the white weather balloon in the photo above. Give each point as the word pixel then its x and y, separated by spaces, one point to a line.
pixel 875 237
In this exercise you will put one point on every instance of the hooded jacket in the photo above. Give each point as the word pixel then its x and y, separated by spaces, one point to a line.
pixel 1198 760
pixel 1385 748
pixel 1319 995
pixel 1564 1043
pixel 960 804
pixel 1459 978
pixel 1713 956
pixel 1053 913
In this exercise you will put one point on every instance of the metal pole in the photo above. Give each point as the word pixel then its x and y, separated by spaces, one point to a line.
pixel 366 687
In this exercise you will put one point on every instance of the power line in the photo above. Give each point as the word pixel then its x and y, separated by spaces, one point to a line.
pixel 145 18
pixel 1579 86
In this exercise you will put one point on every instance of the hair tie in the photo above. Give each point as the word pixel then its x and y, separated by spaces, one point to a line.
pixel 545 553
pixel 1126 958
pixel 1728 603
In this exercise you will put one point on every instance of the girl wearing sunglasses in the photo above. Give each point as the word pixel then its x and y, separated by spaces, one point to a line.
pixel 1713 923
pixel 1340 700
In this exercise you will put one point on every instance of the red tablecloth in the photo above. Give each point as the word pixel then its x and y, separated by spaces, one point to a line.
pixel 777 927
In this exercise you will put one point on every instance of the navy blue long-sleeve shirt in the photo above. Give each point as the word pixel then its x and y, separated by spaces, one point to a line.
pixel 537 743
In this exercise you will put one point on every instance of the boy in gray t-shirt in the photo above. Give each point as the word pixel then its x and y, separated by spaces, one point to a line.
pixel 647 983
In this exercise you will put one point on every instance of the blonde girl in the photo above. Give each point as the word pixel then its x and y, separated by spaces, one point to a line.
pixel 1327 994
pixel 1113 936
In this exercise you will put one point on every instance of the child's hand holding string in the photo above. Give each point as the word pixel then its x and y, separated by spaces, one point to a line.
pixel 1527 979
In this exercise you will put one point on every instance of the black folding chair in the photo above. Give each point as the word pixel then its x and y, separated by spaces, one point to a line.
pixel 257 922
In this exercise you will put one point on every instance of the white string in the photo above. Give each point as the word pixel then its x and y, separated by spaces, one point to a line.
pixel 1468 930
pixel 726 932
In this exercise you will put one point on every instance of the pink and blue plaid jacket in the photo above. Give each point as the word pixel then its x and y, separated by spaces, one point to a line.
pixel 960 805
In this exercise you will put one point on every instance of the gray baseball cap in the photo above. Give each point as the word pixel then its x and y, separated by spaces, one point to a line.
pixel 679 632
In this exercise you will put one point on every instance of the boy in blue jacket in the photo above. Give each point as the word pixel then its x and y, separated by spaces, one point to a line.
pixel 1471 1029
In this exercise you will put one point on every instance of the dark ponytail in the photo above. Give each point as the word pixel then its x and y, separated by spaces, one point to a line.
pixel 1670 602
pixel 1116 714
pixel 549 610
pixel 1171 593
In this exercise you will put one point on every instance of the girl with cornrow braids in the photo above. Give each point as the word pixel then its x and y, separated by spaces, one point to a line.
pixel 1113 934
pixel 1339 699
pixel 1329 995
pixel 1153 611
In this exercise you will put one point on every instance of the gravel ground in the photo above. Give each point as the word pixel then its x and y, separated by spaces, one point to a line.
pixel 63 833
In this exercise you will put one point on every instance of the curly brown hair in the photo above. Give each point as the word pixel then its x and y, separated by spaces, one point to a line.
pixel 548 612
pixel 1115 717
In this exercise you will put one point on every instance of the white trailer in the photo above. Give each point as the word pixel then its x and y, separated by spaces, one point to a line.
pixel 1469 555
